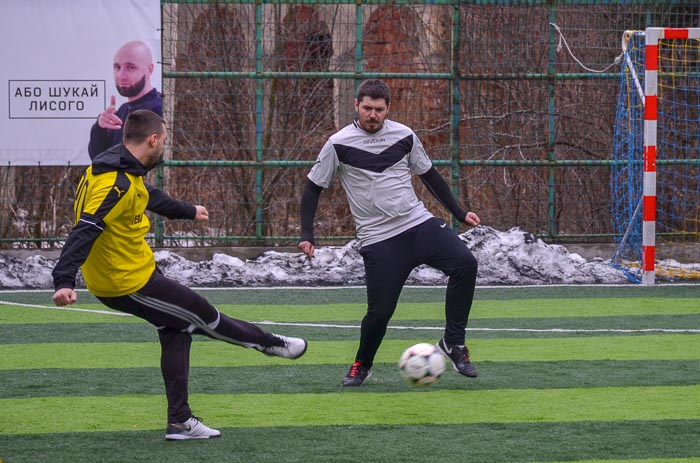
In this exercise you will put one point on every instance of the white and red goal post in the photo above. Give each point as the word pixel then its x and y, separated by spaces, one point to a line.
pixel 651 114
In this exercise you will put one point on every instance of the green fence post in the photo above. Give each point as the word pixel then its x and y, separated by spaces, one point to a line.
pixel 455 109
pixel 358 44
pixel 159 227
pixel 258 120
pixel 551 127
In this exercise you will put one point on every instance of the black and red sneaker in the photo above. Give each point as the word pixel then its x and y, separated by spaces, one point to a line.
pixel 459 356
pixel 356 375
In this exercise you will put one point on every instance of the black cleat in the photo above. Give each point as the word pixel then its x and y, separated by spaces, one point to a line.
pixel 356 375
pixel 459 356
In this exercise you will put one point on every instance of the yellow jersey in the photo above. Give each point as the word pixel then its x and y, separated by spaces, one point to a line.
pixel 108 240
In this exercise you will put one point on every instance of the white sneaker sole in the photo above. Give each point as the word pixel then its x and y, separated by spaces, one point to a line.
pixel 186 437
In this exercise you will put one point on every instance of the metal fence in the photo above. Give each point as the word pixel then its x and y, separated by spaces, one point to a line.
pixel 514 101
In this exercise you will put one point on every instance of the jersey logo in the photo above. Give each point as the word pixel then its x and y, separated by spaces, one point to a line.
pixel 119 191
pixel 374 162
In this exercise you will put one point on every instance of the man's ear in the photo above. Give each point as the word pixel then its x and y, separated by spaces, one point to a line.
pixel 153 140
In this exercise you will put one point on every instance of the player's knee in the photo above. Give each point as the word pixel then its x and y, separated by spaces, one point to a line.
pixel 466 266
pixel 378 316
pixel 473 263
pixel 468 262
pixel 217 319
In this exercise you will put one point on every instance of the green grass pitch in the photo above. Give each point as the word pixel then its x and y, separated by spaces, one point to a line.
pixel 566 374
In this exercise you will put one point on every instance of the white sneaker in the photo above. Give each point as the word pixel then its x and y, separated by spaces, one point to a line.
pixel 293 348
pixel 190 429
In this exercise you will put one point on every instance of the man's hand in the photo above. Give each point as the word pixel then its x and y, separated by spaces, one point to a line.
pixel 472 219
pixel 64 296
pixel 307 248
pixel 108 119
pixel 202 213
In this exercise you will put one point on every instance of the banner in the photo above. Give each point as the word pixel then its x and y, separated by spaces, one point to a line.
pixel 57 72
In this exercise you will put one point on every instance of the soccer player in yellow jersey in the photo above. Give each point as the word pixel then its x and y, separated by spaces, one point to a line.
pixel 108 244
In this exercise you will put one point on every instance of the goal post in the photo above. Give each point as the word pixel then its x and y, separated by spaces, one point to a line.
pixel 655 180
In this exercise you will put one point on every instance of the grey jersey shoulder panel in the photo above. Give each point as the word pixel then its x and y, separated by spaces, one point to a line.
pixel 375 171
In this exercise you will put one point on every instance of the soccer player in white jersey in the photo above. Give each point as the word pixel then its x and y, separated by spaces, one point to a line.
pixel 374 158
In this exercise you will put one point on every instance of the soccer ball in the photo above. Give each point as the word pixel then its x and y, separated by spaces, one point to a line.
pixel 421 364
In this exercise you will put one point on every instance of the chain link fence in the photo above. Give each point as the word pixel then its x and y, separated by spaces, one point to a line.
pixel 513 100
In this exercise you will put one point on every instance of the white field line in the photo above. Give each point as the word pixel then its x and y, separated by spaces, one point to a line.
pixel 73 309
pixel 335 288
pixel 525 330
pixel 391 327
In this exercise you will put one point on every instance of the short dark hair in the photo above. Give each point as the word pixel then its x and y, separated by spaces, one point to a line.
pixel 375 89
pixel 141 124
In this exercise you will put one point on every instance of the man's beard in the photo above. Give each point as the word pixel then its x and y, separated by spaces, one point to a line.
pixel 153 161
pixel 132 90
pixel 365 126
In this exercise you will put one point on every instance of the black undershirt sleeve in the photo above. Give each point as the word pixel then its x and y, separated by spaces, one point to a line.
pixel 100 140
pixel 161 203
pixel 76 250
pixel 309 203
pixel 437 186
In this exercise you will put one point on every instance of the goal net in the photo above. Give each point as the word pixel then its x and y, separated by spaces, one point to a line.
pixel 655 179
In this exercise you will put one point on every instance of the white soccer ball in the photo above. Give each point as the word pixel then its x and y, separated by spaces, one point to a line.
pixel 421 364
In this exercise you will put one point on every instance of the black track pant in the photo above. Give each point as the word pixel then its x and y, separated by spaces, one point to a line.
pixel 178 312
pixel 388 264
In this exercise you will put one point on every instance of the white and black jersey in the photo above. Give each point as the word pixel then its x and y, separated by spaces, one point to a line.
pixel 396 231
pixel 375 172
